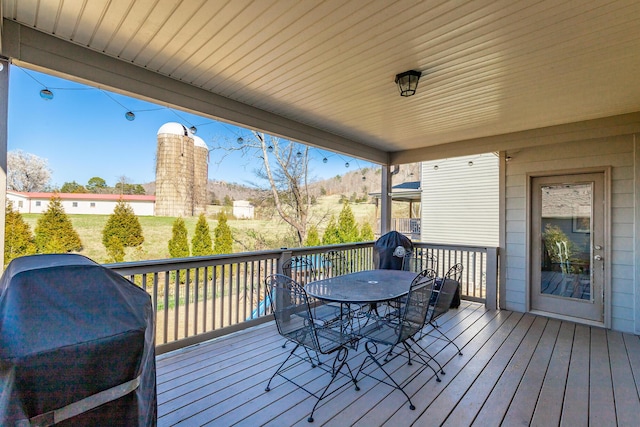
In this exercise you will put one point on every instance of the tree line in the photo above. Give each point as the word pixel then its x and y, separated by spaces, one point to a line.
pixel 29 173
pixel 343 230
pixel 201 242
pixel 97 185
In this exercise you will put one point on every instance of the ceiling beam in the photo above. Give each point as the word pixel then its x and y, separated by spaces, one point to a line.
pixel 42 52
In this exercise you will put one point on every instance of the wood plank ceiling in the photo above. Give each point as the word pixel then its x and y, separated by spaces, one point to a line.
pixel 489 67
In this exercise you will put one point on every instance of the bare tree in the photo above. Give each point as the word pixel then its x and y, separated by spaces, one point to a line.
pixel 27 172
pixel 285 166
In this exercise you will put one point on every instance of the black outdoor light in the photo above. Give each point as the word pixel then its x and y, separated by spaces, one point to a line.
pixel 408 82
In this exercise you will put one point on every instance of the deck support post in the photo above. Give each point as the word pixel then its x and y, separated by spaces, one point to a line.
pixel 492 279
pixel 385 200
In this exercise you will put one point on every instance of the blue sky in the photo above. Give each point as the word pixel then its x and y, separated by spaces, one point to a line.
pixel 82 132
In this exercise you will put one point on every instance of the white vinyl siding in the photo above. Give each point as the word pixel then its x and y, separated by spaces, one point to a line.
pixel 460 201
pixel 616 152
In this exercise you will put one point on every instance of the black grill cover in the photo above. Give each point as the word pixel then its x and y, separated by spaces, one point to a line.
pixel 70 328
pixel 387 255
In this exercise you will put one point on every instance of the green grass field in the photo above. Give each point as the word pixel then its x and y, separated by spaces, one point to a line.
pixel 157 230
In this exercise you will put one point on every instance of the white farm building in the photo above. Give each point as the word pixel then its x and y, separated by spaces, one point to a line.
pixel 243 209
pixel 81 203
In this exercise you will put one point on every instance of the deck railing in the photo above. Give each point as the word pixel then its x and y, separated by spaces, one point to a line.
pixel 199 298
pixel 410 227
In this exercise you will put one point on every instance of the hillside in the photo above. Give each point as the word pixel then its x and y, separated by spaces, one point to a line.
pixel 359 182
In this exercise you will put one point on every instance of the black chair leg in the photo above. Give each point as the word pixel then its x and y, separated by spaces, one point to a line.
pixel 372 350
pixel 446 338
pixel 268 388
pixel 409 349
pixel 340 360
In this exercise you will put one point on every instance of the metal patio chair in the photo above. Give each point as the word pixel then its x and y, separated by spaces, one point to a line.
pixel 294 319
pixel 300 269
pixel 400 331
pixel 334 263
pixel 419 262
pixel 441 302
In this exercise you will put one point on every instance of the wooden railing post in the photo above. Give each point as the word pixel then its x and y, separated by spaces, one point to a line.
pixel 284 257
pixel 492 278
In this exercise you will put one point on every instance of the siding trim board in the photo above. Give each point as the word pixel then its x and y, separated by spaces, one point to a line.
pixel 636 229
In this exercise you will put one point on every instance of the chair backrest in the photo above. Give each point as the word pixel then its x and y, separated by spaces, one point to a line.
pixel 445 292
pixel 407 261
pixel 334 263
pixel 416 306
pixel 455 272
pixel 421 261
pixel 300 269
pixel 290 306
pixel 431 262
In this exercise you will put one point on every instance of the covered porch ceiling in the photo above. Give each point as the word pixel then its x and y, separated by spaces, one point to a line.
pixel 496 75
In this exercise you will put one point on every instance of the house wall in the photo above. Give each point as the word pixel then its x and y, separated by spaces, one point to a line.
pixel 19 202
pixel 618 152
pixel 460 202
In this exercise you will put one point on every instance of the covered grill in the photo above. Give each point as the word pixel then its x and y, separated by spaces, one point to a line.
pixel 392 251
pixel 76 345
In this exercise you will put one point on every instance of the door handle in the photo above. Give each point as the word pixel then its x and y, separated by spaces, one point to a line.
pixel 598 257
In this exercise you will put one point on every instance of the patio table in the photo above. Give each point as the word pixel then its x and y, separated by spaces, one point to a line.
pixel 367 288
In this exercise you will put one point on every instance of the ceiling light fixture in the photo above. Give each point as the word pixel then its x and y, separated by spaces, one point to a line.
pixel 408 82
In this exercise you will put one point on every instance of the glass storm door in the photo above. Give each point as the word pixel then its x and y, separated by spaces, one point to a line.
pixel 567 245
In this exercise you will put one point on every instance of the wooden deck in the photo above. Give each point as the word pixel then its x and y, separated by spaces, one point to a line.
pixel 517 369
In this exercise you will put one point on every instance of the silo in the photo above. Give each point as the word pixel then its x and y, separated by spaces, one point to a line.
pixel 174 171
pixel 200 174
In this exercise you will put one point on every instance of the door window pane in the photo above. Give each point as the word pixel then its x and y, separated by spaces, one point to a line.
pixel 566 240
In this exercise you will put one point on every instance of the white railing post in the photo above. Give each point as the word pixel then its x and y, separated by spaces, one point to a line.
pixel 492 279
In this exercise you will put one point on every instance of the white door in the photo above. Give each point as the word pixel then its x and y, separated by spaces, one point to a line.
pixel 567 245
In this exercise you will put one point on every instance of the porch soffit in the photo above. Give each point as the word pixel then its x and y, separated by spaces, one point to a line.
pixel 322 72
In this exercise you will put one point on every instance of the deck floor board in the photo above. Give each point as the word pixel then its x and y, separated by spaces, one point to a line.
pixel 523 404
pixel 516 369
